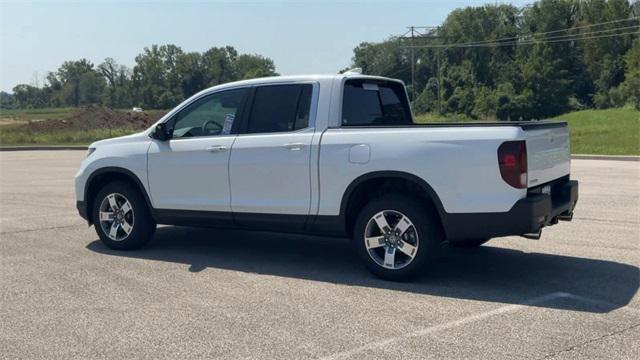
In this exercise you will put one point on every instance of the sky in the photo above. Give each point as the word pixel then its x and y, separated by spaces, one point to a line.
pixel 302 37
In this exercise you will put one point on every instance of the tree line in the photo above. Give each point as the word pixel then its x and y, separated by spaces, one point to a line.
pixel 505 62
pixel 161 78
pixel 494 61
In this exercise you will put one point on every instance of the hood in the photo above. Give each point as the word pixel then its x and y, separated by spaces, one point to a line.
pixel 121 139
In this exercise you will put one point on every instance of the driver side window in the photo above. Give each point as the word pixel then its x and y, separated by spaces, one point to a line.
pixel 209 116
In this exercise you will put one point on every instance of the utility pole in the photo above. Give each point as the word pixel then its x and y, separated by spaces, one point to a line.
pixel 439 82
pixel 417 33
pixel 36 79
pixel 413 65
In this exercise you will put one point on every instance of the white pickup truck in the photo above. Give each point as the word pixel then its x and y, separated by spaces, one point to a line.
pixel 335 155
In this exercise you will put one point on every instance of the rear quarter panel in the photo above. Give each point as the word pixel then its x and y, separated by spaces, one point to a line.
pixel 460 164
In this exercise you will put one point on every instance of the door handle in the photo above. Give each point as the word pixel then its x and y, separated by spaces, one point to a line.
pixel 294 146
pixel 217 148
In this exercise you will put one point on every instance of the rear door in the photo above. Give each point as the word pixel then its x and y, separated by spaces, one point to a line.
pixel 270 160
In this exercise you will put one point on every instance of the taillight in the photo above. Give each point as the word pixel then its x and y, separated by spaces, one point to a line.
pixel 512 158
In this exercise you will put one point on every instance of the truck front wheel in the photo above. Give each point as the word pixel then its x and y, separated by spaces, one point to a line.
pixel 121 217
pixel 396 236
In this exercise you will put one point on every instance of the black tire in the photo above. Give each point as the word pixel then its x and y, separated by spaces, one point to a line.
pixel 142 224
pixel 468 243
pixel 425 222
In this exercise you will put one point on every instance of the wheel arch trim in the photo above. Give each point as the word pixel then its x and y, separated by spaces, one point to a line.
pixel 346 197
pixel 115 170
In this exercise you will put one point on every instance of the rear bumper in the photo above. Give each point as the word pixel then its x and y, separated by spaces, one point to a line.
pixel 528 215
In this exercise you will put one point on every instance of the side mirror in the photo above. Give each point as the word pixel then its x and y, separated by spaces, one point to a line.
pixel 161 133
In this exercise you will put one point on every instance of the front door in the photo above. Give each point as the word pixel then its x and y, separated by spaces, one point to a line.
pixel 190 171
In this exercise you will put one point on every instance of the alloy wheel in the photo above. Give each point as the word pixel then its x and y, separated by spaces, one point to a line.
pixel 116 216
pixel 391 239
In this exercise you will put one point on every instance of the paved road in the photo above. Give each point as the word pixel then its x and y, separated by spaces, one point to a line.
pixel 232 294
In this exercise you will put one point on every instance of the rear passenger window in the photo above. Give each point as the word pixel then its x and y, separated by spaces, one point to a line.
pixel 280 108
pixel 367 103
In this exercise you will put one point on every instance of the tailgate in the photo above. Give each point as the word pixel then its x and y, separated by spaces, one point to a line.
pixel 548 155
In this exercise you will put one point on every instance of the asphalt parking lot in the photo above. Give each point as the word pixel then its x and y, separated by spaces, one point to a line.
pixel 196 293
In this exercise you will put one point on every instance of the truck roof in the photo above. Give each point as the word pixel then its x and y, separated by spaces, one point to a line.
pixel 296 78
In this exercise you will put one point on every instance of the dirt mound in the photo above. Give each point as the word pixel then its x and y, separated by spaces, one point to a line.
pixel 98 117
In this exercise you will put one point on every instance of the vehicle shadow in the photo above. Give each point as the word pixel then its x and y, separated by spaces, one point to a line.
pixel 487 273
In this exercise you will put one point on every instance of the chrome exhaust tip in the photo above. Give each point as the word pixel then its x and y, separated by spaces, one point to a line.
pixel 533 236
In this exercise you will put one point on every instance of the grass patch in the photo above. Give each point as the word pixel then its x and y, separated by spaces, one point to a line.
pixel 25 115
pixel 436 118
pixel 69 126
pixel 605 132
pixel 22 135
pixel 602 132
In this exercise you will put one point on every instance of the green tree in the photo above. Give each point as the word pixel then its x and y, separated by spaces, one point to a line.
pixel 191 69
pixel 547 84
pixel 218 65
pixel 388 58
pixel 117 92
pixel 28 96
pixel 165 75
pixel 81 84
pixel 153 84
pixel 630 88
pixel 7 101
pixel 519 69
pixel 602 57
pixel 253 66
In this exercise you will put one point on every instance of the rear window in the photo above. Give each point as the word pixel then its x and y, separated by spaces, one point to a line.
pixel 280 108
pixel 377 103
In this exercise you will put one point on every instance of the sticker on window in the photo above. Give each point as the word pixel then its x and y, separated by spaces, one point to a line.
pixel 228 124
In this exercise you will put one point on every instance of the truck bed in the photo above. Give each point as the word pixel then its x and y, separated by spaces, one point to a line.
pixel 525 125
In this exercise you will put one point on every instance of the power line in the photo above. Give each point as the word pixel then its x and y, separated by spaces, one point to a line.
pixel 553 31
pixel 486 43
pixel 398 72
pixel 580 38
pixel 523 42
pixel 589 33
pixel 546 38
pixel 431 32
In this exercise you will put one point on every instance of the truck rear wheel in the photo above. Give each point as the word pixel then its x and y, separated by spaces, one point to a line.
pixel 396 236
pixel 121 217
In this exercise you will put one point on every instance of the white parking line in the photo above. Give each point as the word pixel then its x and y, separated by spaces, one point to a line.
pixel 451 324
